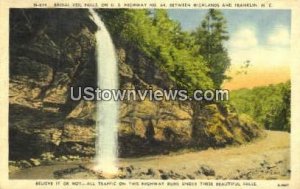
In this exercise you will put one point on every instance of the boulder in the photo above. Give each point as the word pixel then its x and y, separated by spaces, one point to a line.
pixel 207 171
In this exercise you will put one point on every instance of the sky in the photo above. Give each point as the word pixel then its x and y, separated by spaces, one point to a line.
pixel 260 36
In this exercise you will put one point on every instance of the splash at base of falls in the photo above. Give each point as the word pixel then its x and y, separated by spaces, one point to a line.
pixel 105 172
pixel 108 169
pixel 107 111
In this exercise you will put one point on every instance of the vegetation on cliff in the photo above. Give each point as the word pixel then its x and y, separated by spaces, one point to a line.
pixel 193 60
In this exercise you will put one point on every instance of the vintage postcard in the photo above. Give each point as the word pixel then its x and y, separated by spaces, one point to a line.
pixel 150 94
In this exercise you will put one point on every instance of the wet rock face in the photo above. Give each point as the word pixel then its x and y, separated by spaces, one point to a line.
pixel 49 53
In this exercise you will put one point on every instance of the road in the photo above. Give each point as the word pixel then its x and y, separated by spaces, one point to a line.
pixel 265 158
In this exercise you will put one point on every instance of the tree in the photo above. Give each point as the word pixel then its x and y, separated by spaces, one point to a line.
pixel 175 49
pixel 210 37
pixel 268 105
pixel 161 41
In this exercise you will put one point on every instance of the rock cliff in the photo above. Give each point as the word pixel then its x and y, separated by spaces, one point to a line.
pixel 51 50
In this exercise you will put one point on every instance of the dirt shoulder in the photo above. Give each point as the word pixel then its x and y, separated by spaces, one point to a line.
pixel 266 158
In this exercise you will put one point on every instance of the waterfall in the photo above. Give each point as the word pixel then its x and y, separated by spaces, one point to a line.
pixel 107 111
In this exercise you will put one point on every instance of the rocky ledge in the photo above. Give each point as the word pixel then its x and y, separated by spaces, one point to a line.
pixel 43 119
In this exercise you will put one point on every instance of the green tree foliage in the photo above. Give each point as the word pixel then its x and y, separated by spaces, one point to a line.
pixel 155 36
pixel 210 37
pixel 270 105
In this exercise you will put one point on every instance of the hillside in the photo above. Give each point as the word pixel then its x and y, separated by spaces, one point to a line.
pixel 269 105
